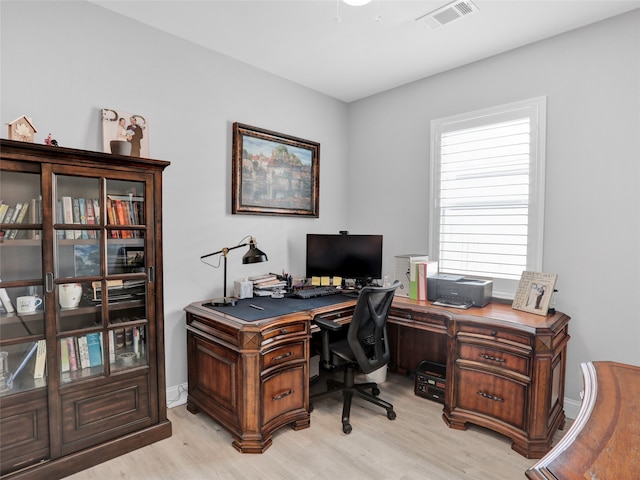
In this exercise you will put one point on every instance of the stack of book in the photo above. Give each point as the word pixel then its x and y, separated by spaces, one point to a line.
pixel 265 285
pixel 22 212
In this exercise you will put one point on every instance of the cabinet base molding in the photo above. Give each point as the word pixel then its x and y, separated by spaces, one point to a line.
pixel 76 462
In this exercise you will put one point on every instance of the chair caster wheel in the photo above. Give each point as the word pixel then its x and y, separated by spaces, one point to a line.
pixel 375 391
pixel 391 415
pixel 346 428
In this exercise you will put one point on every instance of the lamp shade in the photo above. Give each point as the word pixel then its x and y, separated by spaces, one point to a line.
pixel 254 255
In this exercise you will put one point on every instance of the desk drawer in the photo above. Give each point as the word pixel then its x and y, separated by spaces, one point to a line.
pixel 494 357
pixel 283 392
pixel 284 353
pixel 284 331
pixel 491 395
pixel 490 334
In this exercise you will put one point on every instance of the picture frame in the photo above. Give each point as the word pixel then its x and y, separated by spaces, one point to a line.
pixel 133 259
pixel 274 174
pixel 86 260
pixel 534 292
pixel 125 133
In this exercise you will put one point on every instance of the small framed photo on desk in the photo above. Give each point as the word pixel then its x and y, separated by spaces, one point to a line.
pixel 534 292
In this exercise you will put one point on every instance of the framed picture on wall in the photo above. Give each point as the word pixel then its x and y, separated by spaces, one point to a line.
pixel 273 173
pixel 534 292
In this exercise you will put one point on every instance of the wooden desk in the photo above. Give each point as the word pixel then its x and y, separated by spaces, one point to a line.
pixel 505 368
pixel 604 441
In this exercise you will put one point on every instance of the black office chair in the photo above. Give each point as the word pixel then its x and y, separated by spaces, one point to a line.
pixel 366 347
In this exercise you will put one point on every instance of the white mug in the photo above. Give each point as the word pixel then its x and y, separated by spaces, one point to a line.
pixel 69 295
pixel 28 304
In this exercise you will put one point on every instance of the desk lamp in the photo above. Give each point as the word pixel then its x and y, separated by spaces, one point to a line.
pixel 253 255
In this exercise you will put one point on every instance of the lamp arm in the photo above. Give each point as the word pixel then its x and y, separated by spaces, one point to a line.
pixel 224 251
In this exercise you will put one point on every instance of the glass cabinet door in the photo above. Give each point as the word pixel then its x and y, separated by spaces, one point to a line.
pixel 101 275
pixel 22 325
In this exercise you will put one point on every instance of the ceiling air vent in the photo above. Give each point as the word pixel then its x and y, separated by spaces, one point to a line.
pixel 447 14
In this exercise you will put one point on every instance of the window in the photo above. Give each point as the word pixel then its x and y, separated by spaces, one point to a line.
pixel 487 193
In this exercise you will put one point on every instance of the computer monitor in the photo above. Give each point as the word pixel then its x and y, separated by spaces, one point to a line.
pixel 357 257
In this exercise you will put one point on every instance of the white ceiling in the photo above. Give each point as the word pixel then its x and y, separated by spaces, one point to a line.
pixel 301 41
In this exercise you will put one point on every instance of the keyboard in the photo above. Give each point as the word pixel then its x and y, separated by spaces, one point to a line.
pixel 316 292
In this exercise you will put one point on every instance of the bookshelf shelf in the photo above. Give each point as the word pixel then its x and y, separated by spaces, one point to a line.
pixel 98 331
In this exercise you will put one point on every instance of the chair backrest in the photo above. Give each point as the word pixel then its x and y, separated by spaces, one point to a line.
pixel 367 335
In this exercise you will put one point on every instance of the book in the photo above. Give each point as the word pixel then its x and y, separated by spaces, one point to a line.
pixel 82 207
pixel 3 211
pixel 94 348
pixel 91 219
pixel 11 234
pixel 20 219
pixel 73 361
pixel 35 216
pixel 120 338
pixel 112 346
pixel 67 216
pixel 64 355
pixel 82 353
pixel 96 210
pixel 41 359
pixel 75 203
pixel 426 269
pixel 6 301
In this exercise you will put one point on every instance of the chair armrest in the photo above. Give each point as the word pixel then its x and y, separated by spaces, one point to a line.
pixel 326 324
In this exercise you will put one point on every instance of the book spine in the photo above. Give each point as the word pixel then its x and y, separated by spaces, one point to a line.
pixel 3 211
pixel 24 361
pixel 6 301
pixel 91 219
pixel 64 355
pixel 112 346
pixel 83 352
pixel 67 216
pixel 83 217
pixel 73 361
pixel 96 210
pixel 10 234
pixel 41 359
pixel 76 216
pixel 94 348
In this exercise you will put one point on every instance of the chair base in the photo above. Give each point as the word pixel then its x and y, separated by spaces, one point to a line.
pixel 348 388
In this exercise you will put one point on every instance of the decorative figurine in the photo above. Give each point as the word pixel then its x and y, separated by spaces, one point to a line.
pixel 52 142
pixel 22 129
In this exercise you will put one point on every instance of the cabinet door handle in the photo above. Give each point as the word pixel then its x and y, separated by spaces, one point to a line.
pixel 282 395
pixel 284 355
pixel 48 282
pixel 489 357
pixel 491 397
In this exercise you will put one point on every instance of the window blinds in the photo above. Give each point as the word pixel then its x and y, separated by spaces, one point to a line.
pixel 484 199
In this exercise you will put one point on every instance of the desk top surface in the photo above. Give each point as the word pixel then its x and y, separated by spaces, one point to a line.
pixel 497 314
pixel 603 442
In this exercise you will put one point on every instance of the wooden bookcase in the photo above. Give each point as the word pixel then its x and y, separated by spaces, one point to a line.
pixel 89 245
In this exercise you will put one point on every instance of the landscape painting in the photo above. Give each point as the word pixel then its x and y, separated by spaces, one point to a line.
pixel 274 174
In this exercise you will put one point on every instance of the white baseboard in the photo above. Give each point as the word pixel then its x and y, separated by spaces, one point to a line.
pixel 176 395
pixel 571 407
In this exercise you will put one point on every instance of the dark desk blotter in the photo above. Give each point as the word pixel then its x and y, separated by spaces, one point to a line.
pixel 275 307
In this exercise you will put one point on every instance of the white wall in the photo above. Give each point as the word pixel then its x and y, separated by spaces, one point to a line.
pixel 63 61
pixel 591 78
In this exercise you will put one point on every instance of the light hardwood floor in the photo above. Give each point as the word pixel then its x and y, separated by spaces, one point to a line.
pixel 417 445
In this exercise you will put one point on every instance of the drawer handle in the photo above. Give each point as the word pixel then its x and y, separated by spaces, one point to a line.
pixel 282 395
pixel 489 357
pixel 491 397
pixel 284 355
pixel 283 331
